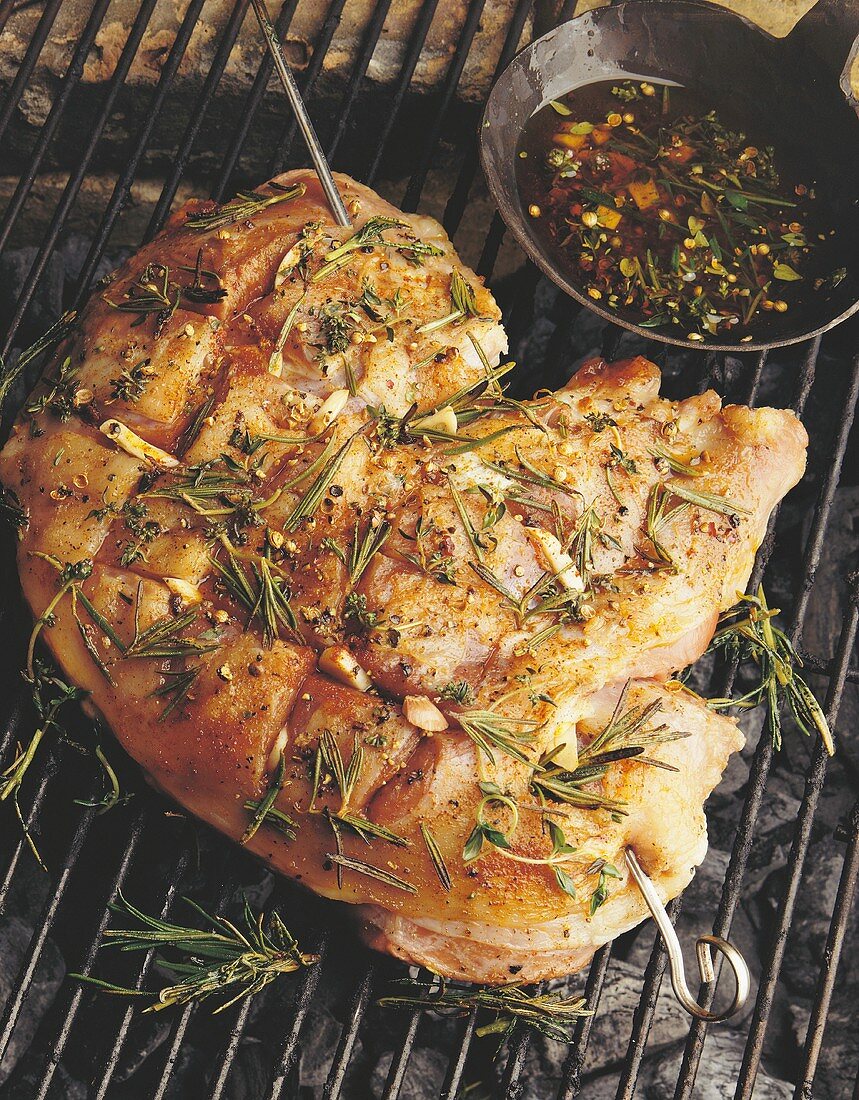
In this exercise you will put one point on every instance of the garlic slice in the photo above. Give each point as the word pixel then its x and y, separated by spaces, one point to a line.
pixel 328 411
pixel 442 420
pixel 423 713
pixel 556 558
pixel 338 663
pixel 189 592
pixel 132 444
pixel 568 756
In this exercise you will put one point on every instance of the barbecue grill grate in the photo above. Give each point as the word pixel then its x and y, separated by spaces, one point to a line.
pixel 91 859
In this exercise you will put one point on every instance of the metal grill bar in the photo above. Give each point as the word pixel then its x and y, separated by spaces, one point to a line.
pixel 832 955
pixel 796 862
pixel 400 1061
pixel 357 1007
pixel 362 62
pixel 329 27
pixel 57 1046
pixel 37 43
pixel 249 110
pixel 122 188
pixel 70 81
pixel 411 198
pixel 763 754
pixel 76 179
pixel 407 70
pixel 458 200
pixel 201 106
pixel 642 1019
pixel 456 1066
pixel 122 1032
pixel 21 988
pixel 288 1059
pixel 571 1081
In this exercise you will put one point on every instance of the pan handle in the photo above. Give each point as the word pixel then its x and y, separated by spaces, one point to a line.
pixel 830 32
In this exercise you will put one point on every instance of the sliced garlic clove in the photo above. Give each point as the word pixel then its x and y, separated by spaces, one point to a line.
pixel 189 592
pixel 132 444
pixel 423 713
pixel 337 662
pixel 328 411
pixel 442 420
pixel 556 558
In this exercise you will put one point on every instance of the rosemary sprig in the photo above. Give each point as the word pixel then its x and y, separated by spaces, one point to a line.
pixel 309 501
pixel 46 342
pixel 367 830
pixel 245 206
pixel 263 594
pixel 489 730
pixel 552 1014
pixel 673 463
pixel 462 300
pixel 626 736
pixel 263 809
pixel 176 688
pixel 747 632
pixel 528 475
pixel 221 960
pixel 365 547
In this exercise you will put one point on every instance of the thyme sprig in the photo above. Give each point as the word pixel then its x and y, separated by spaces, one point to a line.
pixel 222 959
pixel 245 206
pixel 552 1014
pixel 50 695
pixel 747 632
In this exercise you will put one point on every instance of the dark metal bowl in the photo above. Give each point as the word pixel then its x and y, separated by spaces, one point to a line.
pixel 798 86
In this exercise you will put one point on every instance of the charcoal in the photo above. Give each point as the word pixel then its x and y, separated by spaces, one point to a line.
pixel 717 1075
pixel 424 1078
pixel 15 937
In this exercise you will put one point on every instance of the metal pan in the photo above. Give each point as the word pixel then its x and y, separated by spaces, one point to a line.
pixel 798 87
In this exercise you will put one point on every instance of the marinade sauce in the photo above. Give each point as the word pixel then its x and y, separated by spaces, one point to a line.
pixel 672 219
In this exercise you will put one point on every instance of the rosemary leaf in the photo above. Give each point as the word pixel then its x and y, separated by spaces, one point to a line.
pixel 309 501
pixel 378 873
pixel 264 806
pixel 436 857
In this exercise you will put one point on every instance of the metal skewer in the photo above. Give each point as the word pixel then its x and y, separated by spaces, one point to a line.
pixel 702 947
pixel 335 200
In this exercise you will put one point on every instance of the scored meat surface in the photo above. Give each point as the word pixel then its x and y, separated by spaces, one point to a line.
pixel 408 639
